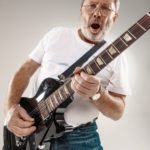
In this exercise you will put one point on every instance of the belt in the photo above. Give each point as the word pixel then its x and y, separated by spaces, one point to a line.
pixel 69 128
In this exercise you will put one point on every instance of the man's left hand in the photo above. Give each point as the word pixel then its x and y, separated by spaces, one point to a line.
pixel 85 85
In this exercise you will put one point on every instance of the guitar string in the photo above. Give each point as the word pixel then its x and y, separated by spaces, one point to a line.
pixel 42 109
pixel 40 103
pixel 133 28
pixel 144 22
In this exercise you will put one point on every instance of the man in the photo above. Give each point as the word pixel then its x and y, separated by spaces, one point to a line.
pixel 97 17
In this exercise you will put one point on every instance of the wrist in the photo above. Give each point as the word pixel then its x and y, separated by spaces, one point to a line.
pixel 99 94
pixel 9 113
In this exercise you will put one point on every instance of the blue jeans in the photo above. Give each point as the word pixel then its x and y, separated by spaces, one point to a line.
pixel 82 138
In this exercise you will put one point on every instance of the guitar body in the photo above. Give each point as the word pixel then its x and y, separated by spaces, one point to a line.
pixel 10 141
pixel 48 105
pixel 31 105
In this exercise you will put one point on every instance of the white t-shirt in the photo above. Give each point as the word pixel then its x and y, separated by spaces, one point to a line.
pixel 59 49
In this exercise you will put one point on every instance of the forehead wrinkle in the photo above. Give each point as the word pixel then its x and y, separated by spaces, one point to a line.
pixel 106 2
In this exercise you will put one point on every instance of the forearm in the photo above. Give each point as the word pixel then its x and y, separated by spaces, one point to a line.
pixel 16 88
pixel 111 105
pixel 19 83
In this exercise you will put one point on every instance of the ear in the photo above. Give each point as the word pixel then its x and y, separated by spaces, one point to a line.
pixel 115 17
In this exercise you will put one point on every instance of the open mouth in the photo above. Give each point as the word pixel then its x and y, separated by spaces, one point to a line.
pixel 95 28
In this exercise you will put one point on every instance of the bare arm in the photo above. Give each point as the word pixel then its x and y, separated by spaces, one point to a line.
pixel 17 120
pixel 110 104
pixel 19 82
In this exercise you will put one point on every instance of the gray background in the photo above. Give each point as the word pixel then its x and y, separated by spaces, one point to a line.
pixel 24 22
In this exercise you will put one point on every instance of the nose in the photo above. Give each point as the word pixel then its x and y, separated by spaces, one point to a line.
pixel 97 13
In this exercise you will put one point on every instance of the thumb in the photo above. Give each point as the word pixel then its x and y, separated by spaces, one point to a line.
pixel 24 115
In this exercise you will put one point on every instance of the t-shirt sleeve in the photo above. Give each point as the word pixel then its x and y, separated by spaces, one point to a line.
pixel 119 82
pixel 39 51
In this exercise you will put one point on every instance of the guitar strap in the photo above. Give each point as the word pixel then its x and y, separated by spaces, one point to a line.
pixel 81 60
pixel 32 141
pixel 68 73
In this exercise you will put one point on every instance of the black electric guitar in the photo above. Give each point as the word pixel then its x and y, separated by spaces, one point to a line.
pixel 44 106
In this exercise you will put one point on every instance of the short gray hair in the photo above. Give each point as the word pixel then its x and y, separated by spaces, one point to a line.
pixel 117 4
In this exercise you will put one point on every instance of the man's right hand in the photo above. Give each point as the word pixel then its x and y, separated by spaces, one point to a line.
pixel 19 122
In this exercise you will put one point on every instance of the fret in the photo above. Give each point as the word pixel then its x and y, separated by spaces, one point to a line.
pixel 46 112
pixel 55 99
pixel 136 31
pixel 141 26
pixel 51 103
pixel 113 46
pixel 131 34
pixel 100 62
pixel 112 51
pixel 67 94
pixel 59 98
pixel 89 70
pixel 63 93
pixel 43 110
pixel 123 42
pixel 119 45
pixel 109 54
pixel 103 60
pixel 68 85
pixel 145 22
pixel 94 67
pixel 60 95
pixel 97 64
pixel 48 105
pixel 106 58
pixel 126 37
pixel 66 90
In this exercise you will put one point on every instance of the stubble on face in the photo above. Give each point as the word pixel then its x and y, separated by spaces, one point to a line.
pixel 95 28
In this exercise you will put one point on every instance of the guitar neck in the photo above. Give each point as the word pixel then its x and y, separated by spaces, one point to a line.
pixel 102 60
pixel 118 46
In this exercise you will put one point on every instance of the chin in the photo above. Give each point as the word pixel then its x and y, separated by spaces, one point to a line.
pixel 96 37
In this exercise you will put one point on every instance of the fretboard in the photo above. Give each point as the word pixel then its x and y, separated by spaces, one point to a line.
pixel 102 60
pixel 118 46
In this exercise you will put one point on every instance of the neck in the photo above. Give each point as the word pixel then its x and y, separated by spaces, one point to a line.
pixel 81 35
